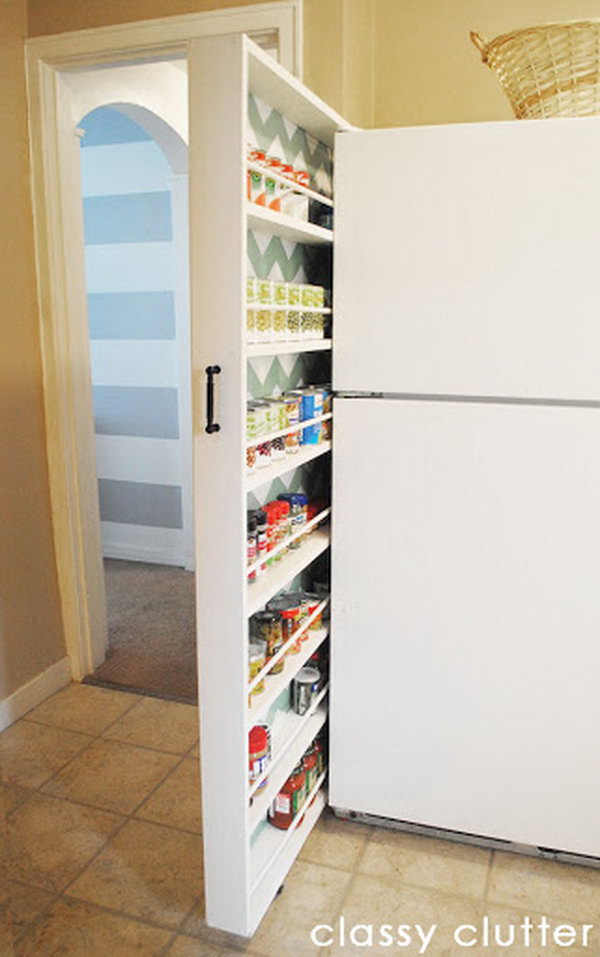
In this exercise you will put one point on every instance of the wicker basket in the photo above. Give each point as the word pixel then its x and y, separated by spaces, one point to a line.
pixel 551 70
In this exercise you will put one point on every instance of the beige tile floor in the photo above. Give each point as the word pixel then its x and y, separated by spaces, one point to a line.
pixel 100 815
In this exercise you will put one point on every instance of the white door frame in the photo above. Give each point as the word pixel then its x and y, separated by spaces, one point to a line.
pixel 60 272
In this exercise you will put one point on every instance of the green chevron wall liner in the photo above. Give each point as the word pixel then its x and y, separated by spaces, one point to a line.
pixel 270 257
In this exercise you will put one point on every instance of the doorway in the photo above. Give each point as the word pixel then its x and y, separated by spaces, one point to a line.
pixel 66 74
pixel 134 192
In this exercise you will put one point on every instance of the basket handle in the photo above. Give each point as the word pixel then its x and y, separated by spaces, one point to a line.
pixel 478 41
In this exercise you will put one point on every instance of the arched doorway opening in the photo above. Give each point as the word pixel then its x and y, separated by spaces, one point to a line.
pixel 134 193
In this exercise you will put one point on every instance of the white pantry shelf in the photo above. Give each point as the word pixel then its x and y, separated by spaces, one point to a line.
pixel 282 547
pixel 287 348
pixel 290 184
pixel 287 227
pixel 275 684
pixel 300 731
pixel 278 576
pixel 271 842
pixel 287 307
pixel 250 443
pixel 284 853
pixel 307 453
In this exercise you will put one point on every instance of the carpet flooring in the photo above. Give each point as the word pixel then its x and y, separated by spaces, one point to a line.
pixel 151 631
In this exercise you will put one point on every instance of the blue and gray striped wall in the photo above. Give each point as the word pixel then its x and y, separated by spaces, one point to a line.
pixel 131 270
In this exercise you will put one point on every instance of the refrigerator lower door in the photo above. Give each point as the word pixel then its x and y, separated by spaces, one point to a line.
pixel 466 618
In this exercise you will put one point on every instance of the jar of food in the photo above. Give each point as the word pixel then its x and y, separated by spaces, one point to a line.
pixel 290 799
pixel 294 294
pixel 272 193
pixel 251 550
pixel 310 766
pixel 303 689
pixel 255 186
pixel 290 613
pixel 251 458
pixel 280 293
pixel 319 748
pixel 263 325
pixel 257 657
pixel 263 455
pixel 266 626
pixel 261 539
pixel 302 177
pixel 296 514
pixel 251 289
pixel 293 329
pixel 258 755
pixel 307 325
pixel 319 297
pixel 313 602
pixel 306 295
pixel 251 330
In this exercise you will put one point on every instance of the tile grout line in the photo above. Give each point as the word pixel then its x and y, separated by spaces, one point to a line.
pixel 126 820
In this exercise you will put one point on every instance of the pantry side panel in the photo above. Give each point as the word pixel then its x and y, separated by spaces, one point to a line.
pixel 218 92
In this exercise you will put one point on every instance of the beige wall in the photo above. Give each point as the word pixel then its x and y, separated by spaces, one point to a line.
pixel 427 70
pixel 379 62
pixel 30 624
pixel 339 39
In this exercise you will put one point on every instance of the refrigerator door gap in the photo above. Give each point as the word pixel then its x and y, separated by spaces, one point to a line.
pixel 472 399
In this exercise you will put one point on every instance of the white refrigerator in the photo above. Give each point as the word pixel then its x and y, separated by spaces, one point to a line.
pixel 466 481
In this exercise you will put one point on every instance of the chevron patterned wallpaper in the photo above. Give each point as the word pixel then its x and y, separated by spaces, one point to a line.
pixel 270 257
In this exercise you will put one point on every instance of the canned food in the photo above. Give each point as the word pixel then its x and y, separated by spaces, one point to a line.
pixel 293 407
pixel 304 689
pixel 278 417
pixel 312 434
pixel 312 404
pixel 257 656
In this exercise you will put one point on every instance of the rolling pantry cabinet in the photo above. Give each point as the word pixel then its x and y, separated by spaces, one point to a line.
pixel 466 469
pixel 238 97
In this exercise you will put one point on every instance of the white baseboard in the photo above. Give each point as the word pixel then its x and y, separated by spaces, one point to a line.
pixel 153 556
pixel 29 695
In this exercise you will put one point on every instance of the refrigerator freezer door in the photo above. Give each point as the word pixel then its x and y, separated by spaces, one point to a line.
pixel 466 618
pixel 466 260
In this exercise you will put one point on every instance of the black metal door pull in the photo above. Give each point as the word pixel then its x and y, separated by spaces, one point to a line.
pixel 211 372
